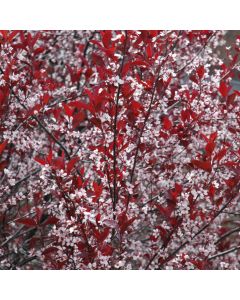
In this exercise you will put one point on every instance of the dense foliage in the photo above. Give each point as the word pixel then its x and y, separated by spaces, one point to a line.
pixel 119 150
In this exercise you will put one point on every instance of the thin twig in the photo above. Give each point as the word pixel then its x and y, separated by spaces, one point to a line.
pixel 227 234
pixel 224 252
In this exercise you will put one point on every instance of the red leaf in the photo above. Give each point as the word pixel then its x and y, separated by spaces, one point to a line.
pixel 194 78
pixel 194 116
pixel 185 115
pixel 136 107
pixel 32 40
pixel 223 89
pixel 81 246
pixel 97 189
pixel 3 165
pixel 3 146
pixel 40 160
pixel 211 191
pixel 140 63
pixel 97 43
pixel 149 51
pixel 107 250
pixel 178 188
pixel 71 163
pixel 163 210
pixel 163 232
pixel 126 68
pixel 98 218
pixel 96 122
pixel 101 236
pixel 27 222
pixel 213 136
pixel 39 212
pixel 4 33
pixel 12 35
pixel 204 165
pixel 220 154
pixel 210 148
pixel 49 157
pixel 45 99
pixel 121 124
pixel 78 118
pixel 51 220
pixel 39 50
pixel 167 124
pixel 204 137
pixel 200 72
pixel 59 163
pixel 106 38
pixel 68 110
pixel 231 98
pixel 71 72
pixel 231 182
pixel 82 105
pixel 126 224
pixel 49 250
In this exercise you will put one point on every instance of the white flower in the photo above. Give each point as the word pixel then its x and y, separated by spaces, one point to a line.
pixel 12 182
pixel 119 81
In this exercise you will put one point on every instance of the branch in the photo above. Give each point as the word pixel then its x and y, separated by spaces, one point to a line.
pixel 115 193
pixel 84 55
pixel 27 260
pixel 224 252
pixel 236 229
pixel 148 114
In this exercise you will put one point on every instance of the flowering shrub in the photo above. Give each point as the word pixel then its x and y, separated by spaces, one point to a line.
pixel 119 150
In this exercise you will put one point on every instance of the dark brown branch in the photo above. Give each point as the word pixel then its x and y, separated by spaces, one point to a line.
pixel 149 112
pixel 224 252
pixel 27 260
pixel 227 234
pixel 115 192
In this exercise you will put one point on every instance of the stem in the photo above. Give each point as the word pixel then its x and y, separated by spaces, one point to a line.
pixel 236 229
pixel 115 193
pixel 148 114
pixel 224 252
